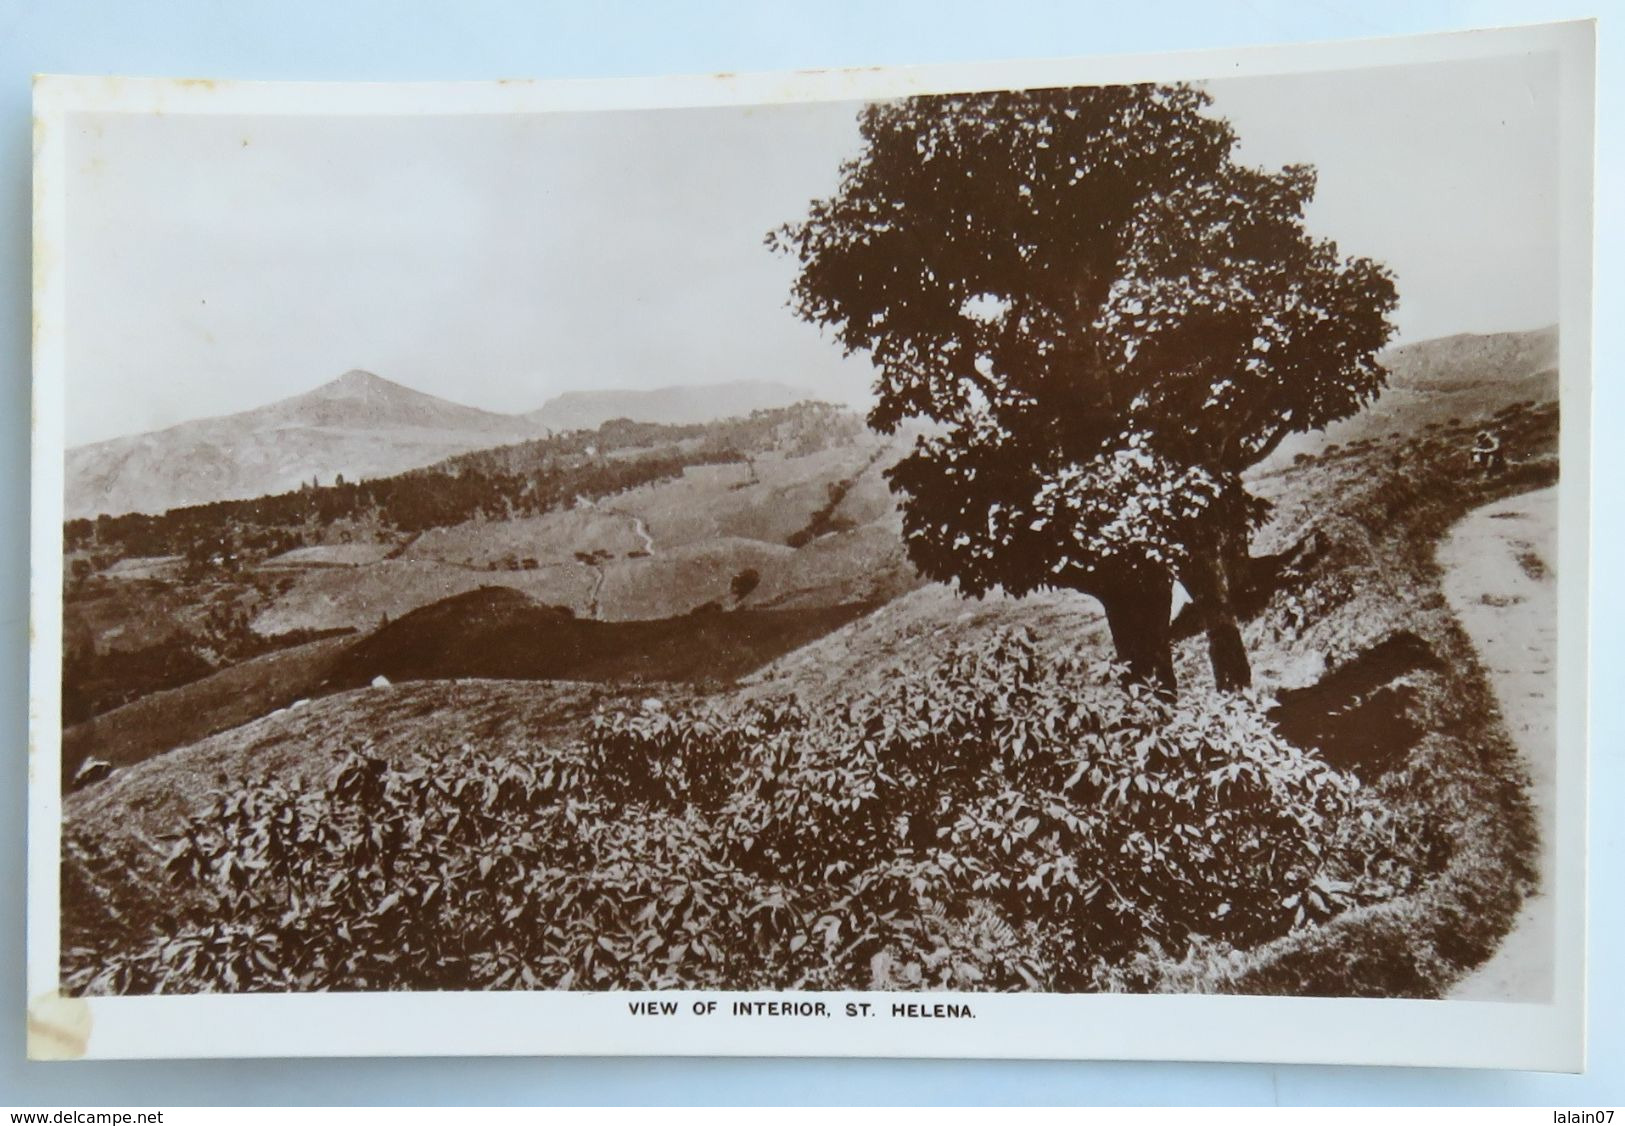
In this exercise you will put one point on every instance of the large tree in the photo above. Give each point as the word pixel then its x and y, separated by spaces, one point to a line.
pixel 1107 319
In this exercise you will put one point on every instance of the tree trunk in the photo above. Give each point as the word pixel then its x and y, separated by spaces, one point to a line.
pixel 1212 586
pixel 1137 614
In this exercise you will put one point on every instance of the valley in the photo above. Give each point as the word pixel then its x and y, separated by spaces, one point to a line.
pixel 704 547
pixel 657 577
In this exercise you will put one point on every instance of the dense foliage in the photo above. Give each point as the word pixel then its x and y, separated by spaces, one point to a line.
pixel 1109 318
pixel 993 822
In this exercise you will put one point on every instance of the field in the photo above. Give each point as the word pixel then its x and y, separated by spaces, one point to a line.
pixel 706 527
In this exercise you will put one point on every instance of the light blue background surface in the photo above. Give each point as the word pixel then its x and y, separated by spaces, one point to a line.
pixel 481 39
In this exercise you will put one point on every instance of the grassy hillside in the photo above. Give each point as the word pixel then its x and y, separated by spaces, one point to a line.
pixel 488 632
pixel 1358 661
pixel 364 597
pixel 1436 383
pixel 819 528
pixel 182 716
pixel 141 629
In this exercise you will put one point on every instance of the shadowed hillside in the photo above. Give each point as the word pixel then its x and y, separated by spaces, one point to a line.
pixel 498 633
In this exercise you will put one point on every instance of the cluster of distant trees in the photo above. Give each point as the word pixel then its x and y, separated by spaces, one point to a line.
pixel 526 479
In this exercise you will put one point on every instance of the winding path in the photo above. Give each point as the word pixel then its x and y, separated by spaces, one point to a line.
pixel 597 588
pixel 641 530
pixel 1499 579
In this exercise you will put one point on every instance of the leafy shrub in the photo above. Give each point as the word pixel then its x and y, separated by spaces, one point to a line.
pixel 995 821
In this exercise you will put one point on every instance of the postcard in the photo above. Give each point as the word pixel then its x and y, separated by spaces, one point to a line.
pixel 1076 558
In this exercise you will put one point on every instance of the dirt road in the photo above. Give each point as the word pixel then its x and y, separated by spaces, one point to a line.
pixel 1500 579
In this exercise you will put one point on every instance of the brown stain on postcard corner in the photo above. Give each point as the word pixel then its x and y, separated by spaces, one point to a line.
pixel 58 1027
pixel 207 85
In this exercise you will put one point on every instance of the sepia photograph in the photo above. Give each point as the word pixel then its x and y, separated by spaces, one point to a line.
pixel 910 542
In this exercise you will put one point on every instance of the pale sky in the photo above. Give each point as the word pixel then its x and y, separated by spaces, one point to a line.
pixel 218 263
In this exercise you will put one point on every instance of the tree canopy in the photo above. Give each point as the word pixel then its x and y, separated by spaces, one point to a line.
pixel 1107 319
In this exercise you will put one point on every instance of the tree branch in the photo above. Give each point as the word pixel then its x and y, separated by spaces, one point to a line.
pixel 1272 443
pixel 963 365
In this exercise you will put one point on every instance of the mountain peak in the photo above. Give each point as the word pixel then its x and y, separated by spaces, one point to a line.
pixel 361 389
pixel 356 381
pixel 358 398
pixel 359 424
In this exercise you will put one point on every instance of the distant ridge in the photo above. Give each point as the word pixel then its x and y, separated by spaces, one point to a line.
pixel 363 425
pixel 1453 362
pixel 674 406
pixel 360 425
pixel 1448 377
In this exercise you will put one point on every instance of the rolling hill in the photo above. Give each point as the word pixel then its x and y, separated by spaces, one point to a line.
pixel 359 424
pixel 1434 382
pixel 497 633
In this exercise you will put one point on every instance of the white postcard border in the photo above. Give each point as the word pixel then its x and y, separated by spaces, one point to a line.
pixel 1196 1028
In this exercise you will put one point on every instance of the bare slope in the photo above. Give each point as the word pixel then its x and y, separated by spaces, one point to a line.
pixel 359 425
